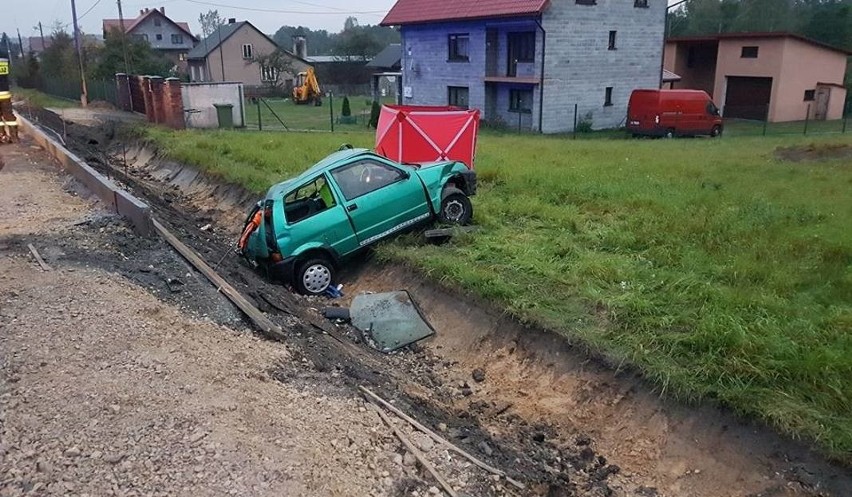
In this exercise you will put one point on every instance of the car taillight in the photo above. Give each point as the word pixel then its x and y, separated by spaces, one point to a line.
pixel 657 119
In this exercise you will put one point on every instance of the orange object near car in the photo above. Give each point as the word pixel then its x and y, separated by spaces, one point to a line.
pixel 672 113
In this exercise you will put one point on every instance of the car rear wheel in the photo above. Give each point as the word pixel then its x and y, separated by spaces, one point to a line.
pixel 716 131
pixel 670 133
pixel 314 275
pixel 455 207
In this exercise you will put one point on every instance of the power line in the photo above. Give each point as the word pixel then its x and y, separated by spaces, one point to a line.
pixel 88 10
pixel 213 4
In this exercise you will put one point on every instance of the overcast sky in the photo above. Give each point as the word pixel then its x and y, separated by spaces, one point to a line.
pixel 269 16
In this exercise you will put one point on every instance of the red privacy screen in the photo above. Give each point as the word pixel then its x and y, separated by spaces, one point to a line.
pixel 417 134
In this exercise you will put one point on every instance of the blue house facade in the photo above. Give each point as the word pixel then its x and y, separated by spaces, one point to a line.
pixel 507 61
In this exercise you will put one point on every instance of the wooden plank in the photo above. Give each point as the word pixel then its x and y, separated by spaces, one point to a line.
pixel 411 448
pixel 268 328
pixel 443 232
pixel 375 398
pixel 44 266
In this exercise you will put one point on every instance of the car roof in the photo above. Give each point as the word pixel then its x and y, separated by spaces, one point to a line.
pixel 328 162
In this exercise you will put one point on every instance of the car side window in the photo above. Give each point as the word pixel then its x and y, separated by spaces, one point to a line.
pixel 365 176
pixel 307 200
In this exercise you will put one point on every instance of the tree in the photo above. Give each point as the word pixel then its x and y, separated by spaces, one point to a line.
pixel 356 41
pixel 141 58
pixel 59 60
pixel 346 111
pixel 273 66
pixel 209 22
pixel 375 110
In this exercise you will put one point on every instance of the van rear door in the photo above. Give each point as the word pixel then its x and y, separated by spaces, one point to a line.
pixel 642 111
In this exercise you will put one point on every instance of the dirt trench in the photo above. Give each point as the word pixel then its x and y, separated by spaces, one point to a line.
pixel 549 414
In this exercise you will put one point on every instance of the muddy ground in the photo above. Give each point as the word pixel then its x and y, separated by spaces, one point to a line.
pixel 552 417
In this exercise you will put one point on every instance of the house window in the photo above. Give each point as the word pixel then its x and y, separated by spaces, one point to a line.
pixel 140 37
pixel 522 46
pixel 586 2
pixel 177 39
pixel 690 58
pixel 158 22
pixel 810 95
pixel 268 74
pixel 612 35
pixel 247 51
pixel 520 101
pixel 608 97
pixel 159 37
pixel 640 4
pixel 182 56
pixel 459 46
pixel 457 96
pixel 749 53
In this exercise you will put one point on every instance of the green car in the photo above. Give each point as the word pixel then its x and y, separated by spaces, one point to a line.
pixel 351 199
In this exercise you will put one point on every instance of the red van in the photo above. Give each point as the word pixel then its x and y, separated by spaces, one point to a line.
pixel 672 113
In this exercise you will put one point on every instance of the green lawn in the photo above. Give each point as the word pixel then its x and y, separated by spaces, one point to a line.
pixel 718 270
pixel 308 117
pixel 39 99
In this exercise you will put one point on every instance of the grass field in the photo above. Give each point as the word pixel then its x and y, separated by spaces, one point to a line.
pixel 308 117
pixel 717 269
pixel 39 99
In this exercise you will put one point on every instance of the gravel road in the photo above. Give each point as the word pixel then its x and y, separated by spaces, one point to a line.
pixel 107 390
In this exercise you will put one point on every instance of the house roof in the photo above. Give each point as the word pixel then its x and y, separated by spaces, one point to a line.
pixel 130 24
pixel 389 58
pixel 424 11
pixel 222 33
pixel 757 35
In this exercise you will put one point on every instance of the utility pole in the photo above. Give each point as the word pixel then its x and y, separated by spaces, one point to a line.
pixel 84 97
pixel 41 32
pixel 20 43
pixel 8 48
pixel 123 38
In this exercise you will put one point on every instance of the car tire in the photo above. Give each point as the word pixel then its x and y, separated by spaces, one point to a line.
pixel 313 275
pixel 716 132
pixel 455 207
pixel 670 133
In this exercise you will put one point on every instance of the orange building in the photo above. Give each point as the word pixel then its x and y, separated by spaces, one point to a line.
pixel 774 76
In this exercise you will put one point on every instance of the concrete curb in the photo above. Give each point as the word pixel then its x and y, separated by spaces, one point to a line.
pixel 122 202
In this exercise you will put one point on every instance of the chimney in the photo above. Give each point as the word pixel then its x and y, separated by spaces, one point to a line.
pixel 163 10
pixel 232 20
pixel 300 46
pixel 141 12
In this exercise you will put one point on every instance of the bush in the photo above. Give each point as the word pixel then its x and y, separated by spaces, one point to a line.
pixel 375 110
pixel 346 111
pixel 584 125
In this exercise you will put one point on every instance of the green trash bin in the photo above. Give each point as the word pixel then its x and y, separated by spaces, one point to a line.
pixel 225 115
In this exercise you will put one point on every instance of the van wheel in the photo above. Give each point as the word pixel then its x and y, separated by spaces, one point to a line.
pixel 314 275
pixel 716 131
pixel 670 133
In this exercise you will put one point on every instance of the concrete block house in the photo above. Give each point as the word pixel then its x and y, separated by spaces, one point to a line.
pixel 528 62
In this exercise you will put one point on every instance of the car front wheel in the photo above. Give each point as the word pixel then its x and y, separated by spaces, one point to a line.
pixel 455 207
pixel 314 275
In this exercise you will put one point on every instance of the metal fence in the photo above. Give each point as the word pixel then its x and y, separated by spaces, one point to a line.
pixel 759 124
pixel 282 114
pixel 98 90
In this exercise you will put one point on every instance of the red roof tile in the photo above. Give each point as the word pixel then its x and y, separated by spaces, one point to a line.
pixel 421 11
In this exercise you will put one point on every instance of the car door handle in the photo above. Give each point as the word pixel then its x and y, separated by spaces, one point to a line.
pixel 351 207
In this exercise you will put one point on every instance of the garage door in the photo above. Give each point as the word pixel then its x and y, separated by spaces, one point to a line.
pixel 747 98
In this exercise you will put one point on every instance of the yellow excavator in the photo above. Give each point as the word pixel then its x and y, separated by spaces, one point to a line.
pixel 307 89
